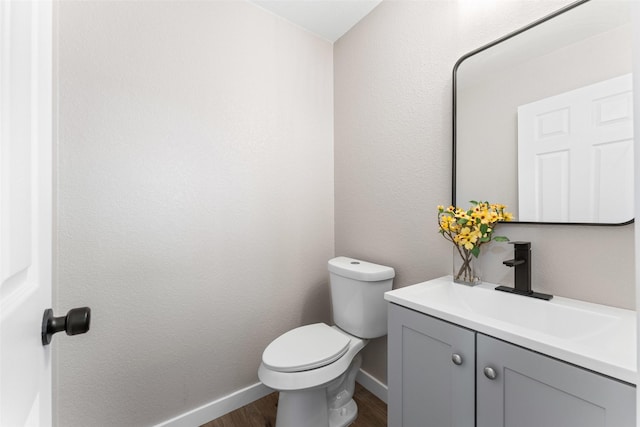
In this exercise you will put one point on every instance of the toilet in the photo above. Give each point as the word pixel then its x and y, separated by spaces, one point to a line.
pixel 314 367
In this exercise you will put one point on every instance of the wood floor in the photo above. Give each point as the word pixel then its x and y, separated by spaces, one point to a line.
pixel 372 412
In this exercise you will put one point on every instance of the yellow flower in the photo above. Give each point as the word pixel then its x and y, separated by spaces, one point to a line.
pixel 484 217
pixel 473 227
pixel 460 214
pixel 467 237
pixel 445 222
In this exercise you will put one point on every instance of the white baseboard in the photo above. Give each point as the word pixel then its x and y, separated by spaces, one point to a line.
pixel 372 384
pixel 224 405
pixel 217 408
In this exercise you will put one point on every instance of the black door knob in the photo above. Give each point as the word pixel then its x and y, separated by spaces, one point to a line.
pixel 77 321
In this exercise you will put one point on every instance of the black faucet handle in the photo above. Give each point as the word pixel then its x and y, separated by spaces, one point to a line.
pixel 521 251
pixel 522 263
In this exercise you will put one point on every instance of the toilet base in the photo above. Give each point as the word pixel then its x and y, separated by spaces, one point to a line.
pixel 309 409
pixel 344 416
pixel 303 408
pixel 331 405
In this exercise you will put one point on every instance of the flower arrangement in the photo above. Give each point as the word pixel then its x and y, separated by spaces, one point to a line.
pixel 469 229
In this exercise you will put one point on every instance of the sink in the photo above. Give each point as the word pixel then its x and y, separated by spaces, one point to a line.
pixel 595 336
pixel 556 317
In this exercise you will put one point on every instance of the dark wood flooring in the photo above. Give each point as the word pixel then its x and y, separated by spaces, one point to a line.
pixel 372 412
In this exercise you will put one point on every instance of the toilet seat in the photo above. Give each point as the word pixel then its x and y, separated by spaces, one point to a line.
pixel 305 348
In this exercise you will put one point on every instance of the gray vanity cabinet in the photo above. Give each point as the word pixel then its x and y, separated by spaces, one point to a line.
pixel 431 375
pixel 443 375
pixel 528 389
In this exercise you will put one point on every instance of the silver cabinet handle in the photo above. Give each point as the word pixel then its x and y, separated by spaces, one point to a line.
pixel 490 373
pixel 456 359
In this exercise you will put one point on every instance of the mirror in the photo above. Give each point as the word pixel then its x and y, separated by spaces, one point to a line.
pixel 543 119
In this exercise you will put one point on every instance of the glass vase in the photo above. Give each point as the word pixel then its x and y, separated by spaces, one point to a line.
pixel 465 267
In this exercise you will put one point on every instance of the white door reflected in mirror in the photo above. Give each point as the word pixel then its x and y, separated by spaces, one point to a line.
pixel 575 155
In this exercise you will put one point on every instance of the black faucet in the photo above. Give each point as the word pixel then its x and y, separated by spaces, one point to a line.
pixel 522 263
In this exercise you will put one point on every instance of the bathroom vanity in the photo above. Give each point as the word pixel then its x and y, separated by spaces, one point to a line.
pixel 472 356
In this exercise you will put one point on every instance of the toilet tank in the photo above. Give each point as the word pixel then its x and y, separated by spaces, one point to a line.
pixel 357 296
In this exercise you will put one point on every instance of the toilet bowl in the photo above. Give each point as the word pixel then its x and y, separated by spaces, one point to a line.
pixel 314 366
pixel 313 380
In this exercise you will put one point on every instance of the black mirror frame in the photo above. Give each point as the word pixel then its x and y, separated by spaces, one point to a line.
pixel 454 106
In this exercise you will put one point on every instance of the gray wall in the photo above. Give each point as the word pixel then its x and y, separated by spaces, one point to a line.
pixel 194 201
pixel 393 156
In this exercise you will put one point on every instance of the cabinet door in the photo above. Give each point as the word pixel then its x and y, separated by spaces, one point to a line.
pixel 426 387
pixel 533 390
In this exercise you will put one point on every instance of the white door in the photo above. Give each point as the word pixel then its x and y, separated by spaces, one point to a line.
pixel 575 155
pixel 25 210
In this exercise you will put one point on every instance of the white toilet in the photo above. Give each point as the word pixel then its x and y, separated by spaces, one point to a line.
pixel 315 366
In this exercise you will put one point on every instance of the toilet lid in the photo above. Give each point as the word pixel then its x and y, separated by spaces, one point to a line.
pixel 304 348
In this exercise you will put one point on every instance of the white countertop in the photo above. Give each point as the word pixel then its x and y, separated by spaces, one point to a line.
pixel 593 336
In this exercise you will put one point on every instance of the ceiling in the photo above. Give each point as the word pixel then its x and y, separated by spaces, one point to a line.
pixel 329 19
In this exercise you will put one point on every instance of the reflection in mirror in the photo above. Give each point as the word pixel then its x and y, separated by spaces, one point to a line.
pixel 543 119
